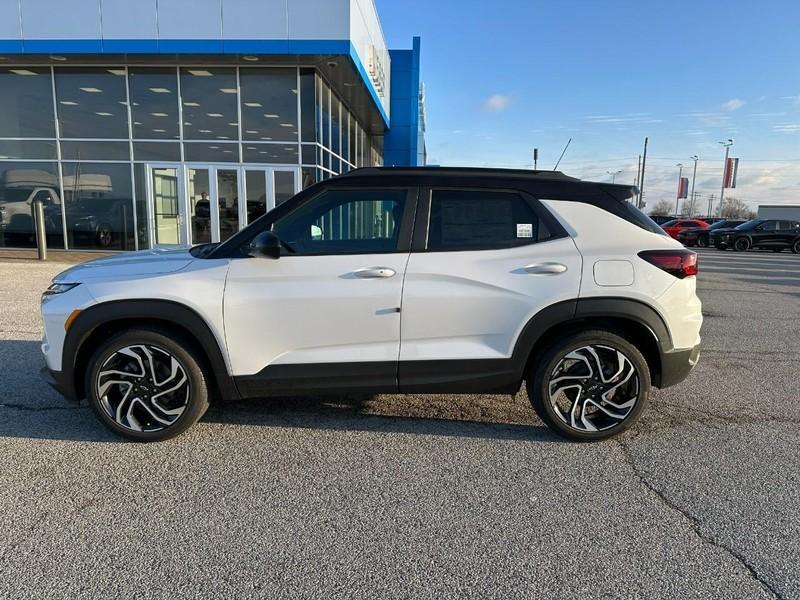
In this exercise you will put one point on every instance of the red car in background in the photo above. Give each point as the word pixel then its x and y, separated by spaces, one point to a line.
pixel 674 227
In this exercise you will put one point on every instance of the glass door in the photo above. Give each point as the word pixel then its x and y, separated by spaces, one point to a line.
pixel 268 187
pixel 214 200
pixel 165 191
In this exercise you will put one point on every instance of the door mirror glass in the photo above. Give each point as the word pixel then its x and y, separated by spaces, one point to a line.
pixel 265 245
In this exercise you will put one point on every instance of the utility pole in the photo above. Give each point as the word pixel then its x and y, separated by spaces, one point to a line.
pixel 710 205
pixel 727 145
pixel 695 158
pixel 678 194
pixel 641 179
pixel 614 175
pixel 638 171
pixel 535 159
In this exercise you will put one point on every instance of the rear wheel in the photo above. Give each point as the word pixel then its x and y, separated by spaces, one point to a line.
pixel 796 246
pixel 742 245
pixel 590 386
pixel 147 385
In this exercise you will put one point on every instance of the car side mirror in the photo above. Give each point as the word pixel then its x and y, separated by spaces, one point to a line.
pixel 265 245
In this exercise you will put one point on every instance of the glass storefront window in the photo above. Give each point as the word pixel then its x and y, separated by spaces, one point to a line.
pixel 271 153
pixel 35 149
pixel 325 111
pixel 210 109
pixel 269 104
pixel 21 184
pixel 95 151
pixel 210 152
pixel 157 151
pixel 336 124
pixel 99 206
pixel 308 105
pixel 154 103
pixel 26 98
pixel 92 103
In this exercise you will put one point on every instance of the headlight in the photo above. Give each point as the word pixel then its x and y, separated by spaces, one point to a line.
pixel 58 288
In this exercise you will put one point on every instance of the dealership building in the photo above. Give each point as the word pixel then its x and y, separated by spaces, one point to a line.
pixel 149 122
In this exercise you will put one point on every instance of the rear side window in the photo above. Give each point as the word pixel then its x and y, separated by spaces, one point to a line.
pixel 481 220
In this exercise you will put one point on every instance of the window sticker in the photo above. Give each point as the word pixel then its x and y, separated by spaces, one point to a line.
pixel 524 230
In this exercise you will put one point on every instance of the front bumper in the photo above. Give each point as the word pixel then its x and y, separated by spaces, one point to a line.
pixel 58 382
pixel 676 365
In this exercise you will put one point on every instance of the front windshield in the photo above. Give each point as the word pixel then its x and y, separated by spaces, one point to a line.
pixel 720 225
pixel 669 223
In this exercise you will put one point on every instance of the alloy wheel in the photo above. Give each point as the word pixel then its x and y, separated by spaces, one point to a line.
pixel 742 244
pixel 143 388
pixel 593 388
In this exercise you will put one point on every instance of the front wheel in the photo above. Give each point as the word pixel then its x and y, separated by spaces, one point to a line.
pixel 591 386
pixel 702 241
pixel 146 385
pixel 742 245
pixel 796 246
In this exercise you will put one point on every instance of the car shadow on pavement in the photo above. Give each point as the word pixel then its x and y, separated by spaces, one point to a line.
pixel 383 414
pixel 29 408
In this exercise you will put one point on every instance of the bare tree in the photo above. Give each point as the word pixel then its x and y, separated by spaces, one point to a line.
pixel 734 208
pixel 662 208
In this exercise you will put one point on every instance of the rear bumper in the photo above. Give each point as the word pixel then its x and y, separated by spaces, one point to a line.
pixel 677 364
pixel 58 382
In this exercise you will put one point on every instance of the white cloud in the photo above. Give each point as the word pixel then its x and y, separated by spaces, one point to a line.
pixel 496 102
pixel 733 104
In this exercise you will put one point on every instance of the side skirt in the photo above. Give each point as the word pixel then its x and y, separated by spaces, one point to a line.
pixel 417 377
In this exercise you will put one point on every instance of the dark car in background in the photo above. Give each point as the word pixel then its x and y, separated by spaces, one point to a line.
pixel 698 236
pixel 661 219
pixel 771 234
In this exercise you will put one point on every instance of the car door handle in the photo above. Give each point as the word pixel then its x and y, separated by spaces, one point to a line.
pixel 375 273
pixel 549 268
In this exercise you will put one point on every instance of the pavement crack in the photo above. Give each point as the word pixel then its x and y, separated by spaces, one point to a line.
pixel 696 523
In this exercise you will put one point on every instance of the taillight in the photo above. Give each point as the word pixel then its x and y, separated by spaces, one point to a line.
pixel 680 263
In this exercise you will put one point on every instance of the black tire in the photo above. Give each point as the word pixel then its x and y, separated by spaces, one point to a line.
pixel 539 381
pixel 742 244
pixel 796 246
pixel 702 241
pixel 191 398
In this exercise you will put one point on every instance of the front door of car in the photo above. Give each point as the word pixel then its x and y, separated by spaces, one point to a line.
pixel 766 234
pixel 329 306
pixel 487 264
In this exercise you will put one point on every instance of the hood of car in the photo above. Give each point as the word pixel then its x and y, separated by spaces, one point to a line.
pixel 723 230
pixel 130 264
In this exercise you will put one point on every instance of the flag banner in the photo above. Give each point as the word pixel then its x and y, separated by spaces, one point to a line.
pixel 683 187
pixel 731 171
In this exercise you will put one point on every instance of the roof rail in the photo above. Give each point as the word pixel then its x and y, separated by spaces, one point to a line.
pixel 465 171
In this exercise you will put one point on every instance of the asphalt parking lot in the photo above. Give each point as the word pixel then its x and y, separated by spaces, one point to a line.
pixel 419 496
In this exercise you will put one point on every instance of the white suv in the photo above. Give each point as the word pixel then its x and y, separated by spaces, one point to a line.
pixel 422 280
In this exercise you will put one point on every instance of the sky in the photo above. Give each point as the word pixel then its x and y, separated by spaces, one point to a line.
pixel 506 76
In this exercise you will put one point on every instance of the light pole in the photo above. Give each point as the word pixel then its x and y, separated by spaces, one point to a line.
pixel 614 174
pixel 727 145
pixel 678 195
pixel 695 158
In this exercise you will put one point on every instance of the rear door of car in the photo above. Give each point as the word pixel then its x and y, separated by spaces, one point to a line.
pixel 788 231
pixel 483 262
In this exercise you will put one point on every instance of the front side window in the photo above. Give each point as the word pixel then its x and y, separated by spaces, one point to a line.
pixel 480 220
pixel 345 222
pixel 768 226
